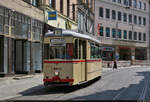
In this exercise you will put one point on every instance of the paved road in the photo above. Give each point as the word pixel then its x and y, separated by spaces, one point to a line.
pixel 120 84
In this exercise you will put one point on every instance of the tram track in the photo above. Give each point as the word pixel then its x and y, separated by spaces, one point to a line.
pixel 142 96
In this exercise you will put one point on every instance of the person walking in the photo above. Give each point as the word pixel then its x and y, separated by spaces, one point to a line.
pixel 115 65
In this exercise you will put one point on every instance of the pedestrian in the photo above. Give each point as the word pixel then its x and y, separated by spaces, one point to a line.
pixel 115 65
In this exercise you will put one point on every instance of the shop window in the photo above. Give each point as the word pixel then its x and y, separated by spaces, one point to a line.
pixel 125 34
pixel 107 32
pixel 114 33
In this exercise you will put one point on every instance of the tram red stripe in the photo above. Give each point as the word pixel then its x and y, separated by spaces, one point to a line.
pixel 72 61
pixel 58 79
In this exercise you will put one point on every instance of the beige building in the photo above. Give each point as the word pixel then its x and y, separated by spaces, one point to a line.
pixel 21 26
pixel 123 29
pixel 65 14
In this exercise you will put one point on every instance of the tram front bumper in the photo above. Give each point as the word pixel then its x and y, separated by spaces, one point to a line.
pixel 57 81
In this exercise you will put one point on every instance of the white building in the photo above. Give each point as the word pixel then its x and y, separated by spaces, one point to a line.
pixel 123 28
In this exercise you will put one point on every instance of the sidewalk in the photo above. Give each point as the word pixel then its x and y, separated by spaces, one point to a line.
pixel 135 66
pixel 11 87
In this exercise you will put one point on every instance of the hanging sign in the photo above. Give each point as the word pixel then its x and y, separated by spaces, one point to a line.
pixel 52 15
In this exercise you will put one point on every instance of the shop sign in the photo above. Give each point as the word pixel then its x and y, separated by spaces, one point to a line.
pixel 52 15
pixel 107 49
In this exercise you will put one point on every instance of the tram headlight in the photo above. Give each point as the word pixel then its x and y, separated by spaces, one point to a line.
pixel 56 73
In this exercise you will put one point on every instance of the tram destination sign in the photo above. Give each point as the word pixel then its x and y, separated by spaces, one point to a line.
pixel 55 42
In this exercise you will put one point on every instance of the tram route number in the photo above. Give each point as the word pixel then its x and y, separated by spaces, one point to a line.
pixel 57 68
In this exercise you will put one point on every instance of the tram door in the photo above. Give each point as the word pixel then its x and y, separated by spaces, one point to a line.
pixel 82 55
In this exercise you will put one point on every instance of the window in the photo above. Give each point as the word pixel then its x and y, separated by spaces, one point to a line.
pixel 119 1
pixel 130 18
pixel 119 33
pixel 135 19
pixel 125 2
pixel 61 6
pixel 144 36
pixel 107 13
pixel 95 51
pixel 114 33
pixel 140 5
pixel 144 6
pixel 130 2
pixel 113 14
pixel 113 0
pixel 135 35
pixel 140 36
pixel 107 32
pixel 125 34
pixel 144 21
pixel 100 12
pixel 130 35
pixel 119 16
pixel 125 17
pixel 140 20
pixel 52 3
pixel 101 31
pixel 135 3
pixel 68 8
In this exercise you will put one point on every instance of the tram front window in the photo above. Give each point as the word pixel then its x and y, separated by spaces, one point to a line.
pixel 59 52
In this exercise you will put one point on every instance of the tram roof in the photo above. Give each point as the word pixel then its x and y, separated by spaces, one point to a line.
pixel 74 34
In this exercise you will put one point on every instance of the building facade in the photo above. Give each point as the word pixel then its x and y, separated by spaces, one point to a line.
pixel 86 16
pixel 21 29
pixel 66 19
pixel 122 27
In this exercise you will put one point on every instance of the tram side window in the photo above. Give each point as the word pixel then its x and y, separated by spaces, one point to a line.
pixel 95 51
pixel 69 48
pixel 46 51
pixel 75 53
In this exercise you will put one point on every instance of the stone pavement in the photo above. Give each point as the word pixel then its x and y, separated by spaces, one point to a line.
pixel 15 86
pixel 11 87
pixel 134 66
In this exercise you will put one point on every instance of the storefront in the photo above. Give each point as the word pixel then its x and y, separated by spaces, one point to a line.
pixel 22 56
pixel 107 53
pixel 124 53
pixel 140 53
pixel 37 56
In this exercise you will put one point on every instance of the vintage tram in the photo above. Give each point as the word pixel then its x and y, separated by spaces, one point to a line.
pixel 70 58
